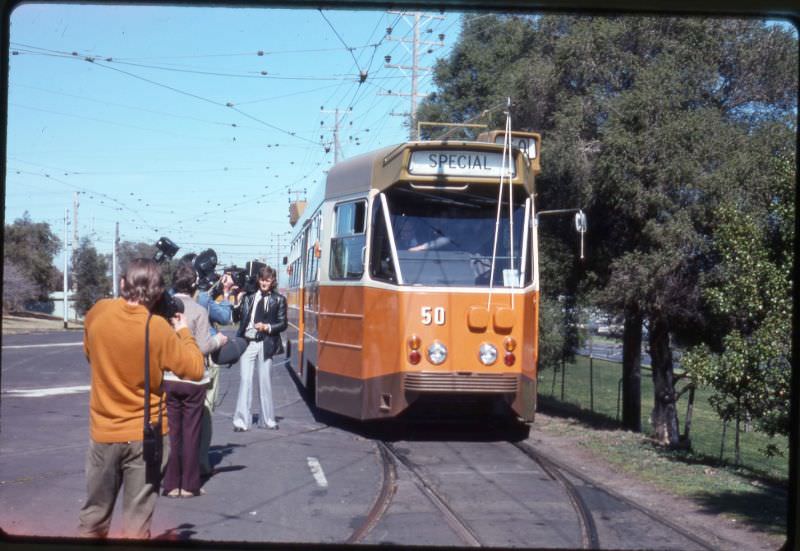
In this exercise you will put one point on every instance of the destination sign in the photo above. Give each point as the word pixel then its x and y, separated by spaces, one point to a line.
pixel 451 162
pixel 523 143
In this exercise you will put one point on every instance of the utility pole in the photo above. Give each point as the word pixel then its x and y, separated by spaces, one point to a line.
pixel 414 68
pixel 336 126
pixel 66 263
pixel 75 204
pixel 275 249
pixel 336 146
pixel 114 276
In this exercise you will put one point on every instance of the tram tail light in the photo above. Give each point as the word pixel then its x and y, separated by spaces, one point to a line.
pixel 509 343
pixel 509 359
pixel 414 356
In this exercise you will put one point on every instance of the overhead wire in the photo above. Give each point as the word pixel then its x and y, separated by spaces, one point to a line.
pixel 351 94
pixel 114 104
pixel 195 96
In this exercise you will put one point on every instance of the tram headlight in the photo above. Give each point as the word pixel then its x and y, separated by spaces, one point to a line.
pixel 487 354
pixel 437 353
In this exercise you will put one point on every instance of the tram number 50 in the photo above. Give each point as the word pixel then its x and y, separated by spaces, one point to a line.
pixel 432 315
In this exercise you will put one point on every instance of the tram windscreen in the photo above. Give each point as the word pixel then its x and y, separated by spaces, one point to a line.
pixel 446 237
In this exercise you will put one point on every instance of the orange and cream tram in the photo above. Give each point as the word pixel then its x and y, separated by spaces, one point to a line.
pixel 414 275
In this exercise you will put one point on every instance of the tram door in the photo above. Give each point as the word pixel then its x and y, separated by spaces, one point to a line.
pixel 297 355
pixel 309 299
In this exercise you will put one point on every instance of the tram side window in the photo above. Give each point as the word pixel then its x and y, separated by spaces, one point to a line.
pixel 381 264
pixel 347 244
pixel 312 260
pixel 294 281
pixel 311 265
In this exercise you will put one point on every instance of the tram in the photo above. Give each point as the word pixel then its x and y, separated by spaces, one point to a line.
pixel 413 275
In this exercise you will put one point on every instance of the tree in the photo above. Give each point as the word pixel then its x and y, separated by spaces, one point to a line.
pixel 551 332
pixel 91 275
pixel 674 146
pixel 648 121
pixel 128 250
pixel 750 294
pixel 31 247
pixel 18 288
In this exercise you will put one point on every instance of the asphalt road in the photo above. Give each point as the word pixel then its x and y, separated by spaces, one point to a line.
pixel 313 481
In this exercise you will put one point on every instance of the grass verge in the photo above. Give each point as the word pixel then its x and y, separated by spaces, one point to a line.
pixel 13 324
pixel 719 488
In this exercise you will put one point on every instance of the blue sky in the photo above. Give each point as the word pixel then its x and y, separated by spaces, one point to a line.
pixel 196 123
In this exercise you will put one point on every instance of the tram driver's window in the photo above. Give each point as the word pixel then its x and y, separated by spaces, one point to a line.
pixel 381 265
pixel 349 239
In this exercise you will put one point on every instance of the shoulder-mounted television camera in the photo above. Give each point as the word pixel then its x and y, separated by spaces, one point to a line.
pixel 246 279
pixel 167 305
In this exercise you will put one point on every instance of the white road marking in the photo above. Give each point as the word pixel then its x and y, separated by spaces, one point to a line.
pixel 317 472
pixel 39 392
pixel 43 345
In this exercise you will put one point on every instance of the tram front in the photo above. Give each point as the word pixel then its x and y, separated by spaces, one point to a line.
pixel 454 281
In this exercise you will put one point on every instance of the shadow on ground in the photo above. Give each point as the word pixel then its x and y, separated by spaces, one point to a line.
pixel 763 508
pixel 761 501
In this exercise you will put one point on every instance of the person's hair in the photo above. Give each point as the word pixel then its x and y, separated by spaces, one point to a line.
pixel 269 271
pixel 184 280
pixel 144 282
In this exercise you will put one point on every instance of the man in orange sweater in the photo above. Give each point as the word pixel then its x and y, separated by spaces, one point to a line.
pixel 114 343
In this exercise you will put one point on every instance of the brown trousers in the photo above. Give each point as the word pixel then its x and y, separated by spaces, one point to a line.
pixel 185 415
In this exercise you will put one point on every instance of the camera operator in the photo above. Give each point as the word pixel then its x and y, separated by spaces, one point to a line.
pixel 219 312
pixel 263 318
pixel 185 398
pixel 114 344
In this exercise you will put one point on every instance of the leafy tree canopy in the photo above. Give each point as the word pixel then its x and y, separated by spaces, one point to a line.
pixel 31 247
pixel 91 276
pixel 650 122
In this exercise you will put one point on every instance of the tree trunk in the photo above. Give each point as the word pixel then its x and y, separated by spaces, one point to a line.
pixel 631 372
pixel 665 414
pixel 687 424
pixel 736 449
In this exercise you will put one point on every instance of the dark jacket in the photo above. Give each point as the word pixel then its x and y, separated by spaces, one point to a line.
pixel 274 315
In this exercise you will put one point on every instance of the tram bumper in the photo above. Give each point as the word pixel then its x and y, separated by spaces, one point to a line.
pixel 389 396
pixel 515 389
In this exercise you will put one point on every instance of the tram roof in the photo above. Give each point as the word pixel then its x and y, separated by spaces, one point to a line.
pixel 383 167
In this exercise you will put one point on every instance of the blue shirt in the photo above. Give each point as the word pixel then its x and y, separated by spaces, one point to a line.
pixel 218 312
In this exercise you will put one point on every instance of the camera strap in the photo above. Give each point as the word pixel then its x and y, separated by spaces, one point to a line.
pixel 147 377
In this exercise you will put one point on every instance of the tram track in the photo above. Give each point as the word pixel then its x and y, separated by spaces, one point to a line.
pixel 561 469
pixel 468 536
pixel 453 519
pixel 383 499
pixel 594 506
pixel 589 536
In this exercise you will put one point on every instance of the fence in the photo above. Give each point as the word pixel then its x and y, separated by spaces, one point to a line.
pixel 595 385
